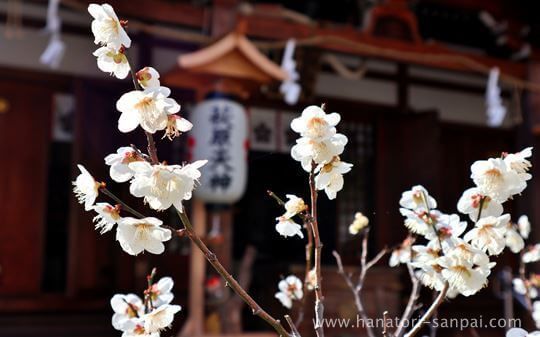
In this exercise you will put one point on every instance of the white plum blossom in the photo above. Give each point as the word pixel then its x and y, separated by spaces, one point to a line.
pixel 463 250
pixel 536 317
pixel 315 123
pixel 160 318
pixel 127 309
pixel 463 276
pixel 420 223
pixel 138 330
pixel 112 61
pixel 495 179
pixel 430 276
pixel 330 177
pixel 294 206
pixel 176 124
pixel 402 254
pixel 86 188
pixel 513 239
pixel 289 289
pixel 311 281
pixel 359 223
pixel 119 163
pixel 319 147
pixel 449 228
pixel 307 150
pixel 163 186
pixel 138 235
pixel 523 288
pixel 470 201
pixel 519 162
pixel 488 234
pixel 148 77
pixel 425 254
pixel 148 108
pixel 518 332
pixel 524 226
pixel 106 27
pixel 417 199
pixel 160 291
pixel 287 227
pixel 107 216
pixel 531 254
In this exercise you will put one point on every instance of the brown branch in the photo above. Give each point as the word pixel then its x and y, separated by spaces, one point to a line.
pixel 294 330
pixel 152 151
pixel 319 306
pixel 411 304
pixel 309 255
pixel 356 294
pixel 365 265
pixel 125 206
pixel 432 309
pixel 385 319
pixel 231 312
pixel 306 218
pixel 230 281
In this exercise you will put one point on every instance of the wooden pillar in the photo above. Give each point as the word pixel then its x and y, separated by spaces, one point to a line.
pixel 223 17
pixel 402 87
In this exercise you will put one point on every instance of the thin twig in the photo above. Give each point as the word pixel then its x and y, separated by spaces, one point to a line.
pixel 433 327
pixel 411 304
pixel 125 206
pixel 356 294
pixel 364 267
pixel 230 281
pixel 319 306
pixel 152 150
pixel 307 271
pixel 139 152
pixel 276 198
pixel 294 330
pixel 434 306
pixel 385 319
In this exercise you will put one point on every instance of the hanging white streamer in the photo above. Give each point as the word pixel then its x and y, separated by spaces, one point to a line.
pixel 290 88
pixel 52 56
pixel 495 110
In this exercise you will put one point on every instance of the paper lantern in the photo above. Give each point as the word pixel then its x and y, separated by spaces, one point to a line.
pixel 220 134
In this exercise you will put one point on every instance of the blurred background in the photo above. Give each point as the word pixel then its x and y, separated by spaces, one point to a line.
pixel 410 79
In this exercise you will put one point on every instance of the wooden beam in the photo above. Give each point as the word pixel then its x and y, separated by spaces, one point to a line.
pixel 344 39
pixel 348 40
pixel 170 12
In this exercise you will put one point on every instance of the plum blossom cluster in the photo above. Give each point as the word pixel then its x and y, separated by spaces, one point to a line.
pixel 149 106
pixel 286 226
pixel 454 256
pixel 319 147
pixel 526 285
pixel 134 235
pixel 290 289
pixel 147 316
pixel 359 223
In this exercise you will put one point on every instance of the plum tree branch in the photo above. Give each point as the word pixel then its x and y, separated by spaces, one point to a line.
pixel 231 282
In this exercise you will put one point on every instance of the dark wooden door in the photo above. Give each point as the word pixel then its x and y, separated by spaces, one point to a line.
pixel 407 154
pixel 24 142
